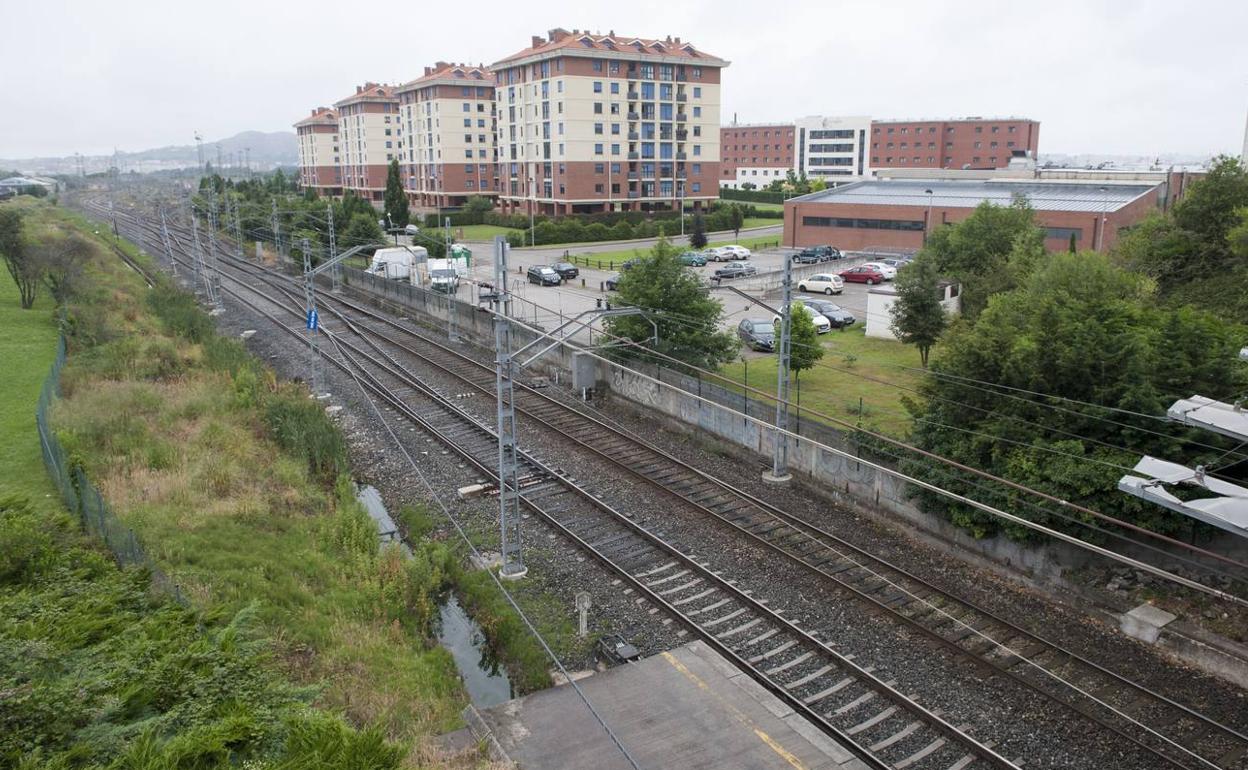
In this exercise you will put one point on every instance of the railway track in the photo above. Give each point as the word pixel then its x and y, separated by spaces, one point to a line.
pixel 797 664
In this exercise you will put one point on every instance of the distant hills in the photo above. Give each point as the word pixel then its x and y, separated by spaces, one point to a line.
pixel 266 150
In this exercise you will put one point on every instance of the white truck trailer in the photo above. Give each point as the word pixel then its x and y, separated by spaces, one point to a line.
pixel 398 264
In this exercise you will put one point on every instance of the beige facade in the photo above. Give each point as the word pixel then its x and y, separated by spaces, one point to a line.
pixel 369 138
pixel 447 119
pixel 319 159
pixel 592 123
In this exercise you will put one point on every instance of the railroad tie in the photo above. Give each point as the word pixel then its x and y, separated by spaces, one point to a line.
pixel 724 619
pixel 920 754
pixel 708 608
pixel 656 570
pixel 841 685
pixel 669 578
pixel 800 659
pixel 680 587
pixel 873 721
pixel 896 737
pixel 743 627
pixel 855 703
pixel 695 597
pixel 808 678
pixel 773 652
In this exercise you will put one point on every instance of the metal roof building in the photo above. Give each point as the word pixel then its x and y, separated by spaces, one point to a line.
pixel 1041 195
pixel 899 214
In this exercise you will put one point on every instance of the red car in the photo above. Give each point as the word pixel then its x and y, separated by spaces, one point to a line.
pixel 862 274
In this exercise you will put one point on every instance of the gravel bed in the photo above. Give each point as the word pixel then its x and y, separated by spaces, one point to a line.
pixel 1023 724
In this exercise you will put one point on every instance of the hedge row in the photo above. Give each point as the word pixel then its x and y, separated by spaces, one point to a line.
pixel 588 228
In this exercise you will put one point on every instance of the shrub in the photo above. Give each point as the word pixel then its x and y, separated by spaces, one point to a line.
pixel 25 545
pixel 299 425
pixel 179 312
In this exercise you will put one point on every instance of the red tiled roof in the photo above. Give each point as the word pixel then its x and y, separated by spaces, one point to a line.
pixel 561 40
pixel 319 115
pixel 453 72
pixel 366 92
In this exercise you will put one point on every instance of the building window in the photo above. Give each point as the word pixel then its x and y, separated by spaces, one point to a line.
pixel 697 112
pixel 696 169
pixel 467 107
pixel 467 122
pixel 597 149
pixel 615 129
pixel 598 66
pixel 615 149
pixel 615 87
pixel 597 108
pixel 697 149
pixel 696 73
pixel 863 224
pixel 1064 233
pixel 598 128
pixel 599 168
pixel 467 138
pixel 598 83
pixel 598 189
pixel 468 153
pixel 696 187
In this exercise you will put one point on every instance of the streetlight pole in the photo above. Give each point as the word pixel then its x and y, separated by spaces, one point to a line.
pixel 1100 244
pixel 927 222
pixel 780 456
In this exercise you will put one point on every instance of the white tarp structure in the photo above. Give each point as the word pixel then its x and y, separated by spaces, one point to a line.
pixel 1228 511
pixel 1200 412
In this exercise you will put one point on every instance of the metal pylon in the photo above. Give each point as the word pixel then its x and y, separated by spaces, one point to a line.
pixel 508 480
pixel 164 239
pixel 335 271
pixel 312 320
pixel 213 276
pixel 780 455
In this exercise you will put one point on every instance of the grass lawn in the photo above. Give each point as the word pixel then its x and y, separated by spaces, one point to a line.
pixel 27 348
pixel 763 206
pixel 480 232
pixel 836 391
pixel 760 222
pixel 610 260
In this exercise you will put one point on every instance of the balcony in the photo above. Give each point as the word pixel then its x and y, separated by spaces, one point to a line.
pixel 634 156
pixel 633 176
pixel 634 194
pixel 633 136
pixel 682 135
pixel 634 116
pixel 682 97
pixel 632 96
pixel 680 156
pixel 681 117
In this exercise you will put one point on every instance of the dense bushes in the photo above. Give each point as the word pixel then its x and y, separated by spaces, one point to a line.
pixel 755 196
pixel 627 225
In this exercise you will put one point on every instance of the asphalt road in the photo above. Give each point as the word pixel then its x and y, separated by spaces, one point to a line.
pixel 538 255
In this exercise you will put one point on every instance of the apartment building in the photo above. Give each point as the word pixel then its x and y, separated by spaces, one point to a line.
pixel 370 137
pixel 590 122
pixel 833 148
pixel 958 143
pixel 755 153
pixel 448 128
pixel 317 135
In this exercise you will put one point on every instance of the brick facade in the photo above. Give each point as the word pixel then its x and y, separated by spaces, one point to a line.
pixel 975 143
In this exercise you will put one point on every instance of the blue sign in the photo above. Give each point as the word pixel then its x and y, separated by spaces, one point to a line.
pixel 313 320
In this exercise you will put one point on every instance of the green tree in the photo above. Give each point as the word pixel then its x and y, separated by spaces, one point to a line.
pixel 677 300
pixel 804 348
pixel 1074 245
pixel 476 207
pixel 62 256
pixel 362 229
pixel 1081 328
pixel 19 258
pixel 736 218
pixel 396 199
pixel 975 251
pixel 697 239
pixel 918 318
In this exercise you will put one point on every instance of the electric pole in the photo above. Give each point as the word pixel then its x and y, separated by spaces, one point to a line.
pixel 214 277
pixel 335 272
pixel 780 459
pixel 277 236
pixel 451 335
pixel 238 228
pixel 508 481
pixel 312 320
pixel 164 237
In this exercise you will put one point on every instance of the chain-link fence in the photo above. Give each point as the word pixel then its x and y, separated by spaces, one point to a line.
pixel 82 497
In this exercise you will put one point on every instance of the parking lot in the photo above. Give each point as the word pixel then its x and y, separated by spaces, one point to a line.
pixel 549 306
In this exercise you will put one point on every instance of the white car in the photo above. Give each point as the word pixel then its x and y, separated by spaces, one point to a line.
pixel 719 254
pixel 889 272
pixel 822 324
pixel 824 283
pixel 738 252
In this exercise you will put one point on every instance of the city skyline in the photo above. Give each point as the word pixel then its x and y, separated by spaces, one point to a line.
pixel 1094 76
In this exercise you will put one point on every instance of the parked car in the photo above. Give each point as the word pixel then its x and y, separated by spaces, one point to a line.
pixel 543 275
pixel 896 263
pixel 692 259
pixel 889 271
pixel 839 317
pixel 822 325
pixel 823 283
pixel 613 282
pixel 630 263
pixel 862 274
pixel 411 230
pixel 718 254
pixel 806 257
pixel 566 270
pixel 737 252
pixel 828 253
pixel 758 334
pixel 735 270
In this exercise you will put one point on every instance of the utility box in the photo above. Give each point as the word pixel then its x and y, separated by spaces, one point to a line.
pixel 584 371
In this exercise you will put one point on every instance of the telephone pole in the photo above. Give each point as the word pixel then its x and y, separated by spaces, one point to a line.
pixel 508 480
pixel 780 457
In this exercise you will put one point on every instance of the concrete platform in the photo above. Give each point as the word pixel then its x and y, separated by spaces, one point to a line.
pixel 687 709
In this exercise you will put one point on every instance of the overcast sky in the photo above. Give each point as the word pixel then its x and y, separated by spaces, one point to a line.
pixel 1102 77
